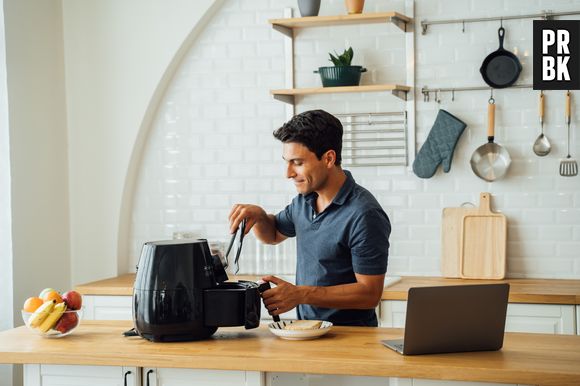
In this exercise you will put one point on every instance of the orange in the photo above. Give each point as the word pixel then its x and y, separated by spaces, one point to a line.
pixel 31 304
pixel 52 295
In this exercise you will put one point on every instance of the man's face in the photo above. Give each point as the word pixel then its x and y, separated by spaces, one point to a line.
pixel 305 169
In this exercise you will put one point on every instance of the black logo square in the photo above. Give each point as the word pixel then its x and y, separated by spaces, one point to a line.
pixel 556 55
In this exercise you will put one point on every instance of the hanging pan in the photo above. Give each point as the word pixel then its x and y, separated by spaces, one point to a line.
pixel 501 68
pixel 490 161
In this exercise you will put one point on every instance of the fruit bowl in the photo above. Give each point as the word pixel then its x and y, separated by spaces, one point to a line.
pixel 54 324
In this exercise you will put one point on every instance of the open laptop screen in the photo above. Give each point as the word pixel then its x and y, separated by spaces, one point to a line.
pixel 455 318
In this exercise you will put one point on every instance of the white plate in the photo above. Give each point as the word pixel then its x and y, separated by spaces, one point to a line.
pixel 277 328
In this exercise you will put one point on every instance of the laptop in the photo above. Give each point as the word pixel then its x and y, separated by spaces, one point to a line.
pixel 456 318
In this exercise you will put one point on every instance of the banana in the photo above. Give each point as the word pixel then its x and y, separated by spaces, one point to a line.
pixel 41 313
pixel 54 316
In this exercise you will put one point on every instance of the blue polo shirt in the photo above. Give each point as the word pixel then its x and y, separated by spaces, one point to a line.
pixel 350 236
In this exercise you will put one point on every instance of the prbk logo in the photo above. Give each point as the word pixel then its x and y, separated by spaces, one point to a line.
pixel 556 54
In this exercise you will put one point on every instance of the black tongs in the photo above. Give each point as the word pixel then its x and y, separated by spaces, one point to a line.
pixel 241 229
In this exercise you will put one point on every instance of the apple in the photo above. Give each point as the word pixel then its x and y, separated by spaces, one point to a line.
pixel 45 291
pixel 67 322
pixel 73 300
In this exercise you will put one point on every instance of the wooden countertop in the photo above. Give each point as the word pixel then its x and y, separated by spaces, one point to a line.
pixel 540 291
pixel 525 358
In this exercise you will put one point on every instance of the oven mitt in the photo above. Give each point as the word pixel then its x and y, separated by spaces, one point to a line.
pixel 439 145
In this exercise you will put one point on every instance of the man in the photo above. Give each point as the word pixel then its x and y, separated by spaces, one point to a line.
pixel 341 231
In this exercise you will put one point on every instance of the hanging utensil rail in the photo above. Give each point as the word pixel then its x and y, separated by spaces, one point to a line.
pixel 426 91
pixel 546 15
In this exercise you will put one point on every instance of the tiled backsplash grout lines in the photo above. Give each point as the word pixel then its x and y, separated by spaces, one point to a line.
pixel 211 144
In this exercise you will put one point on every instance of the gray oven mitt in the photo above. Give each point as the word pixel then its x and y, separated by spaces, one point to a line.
pixel 439 145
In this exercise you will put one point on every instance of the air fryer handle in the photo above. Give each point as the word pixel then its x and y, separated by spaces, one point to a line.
pixel 262 287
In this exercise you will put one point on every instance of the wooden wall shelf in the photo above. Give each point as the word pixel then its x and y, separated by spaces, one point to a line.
pixel 287 95
pixel 287 24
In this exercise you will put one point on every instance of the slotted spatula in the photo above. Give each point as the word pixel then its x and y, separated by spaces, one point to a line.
pixel 568 165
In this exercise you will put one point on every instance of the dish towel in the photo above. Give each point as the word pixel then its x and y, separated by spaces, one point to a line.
pixel 439 145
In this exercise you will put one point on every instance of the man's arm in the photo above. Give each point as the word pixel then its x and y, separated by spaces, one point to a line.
pixel 364 294
pixel 264 224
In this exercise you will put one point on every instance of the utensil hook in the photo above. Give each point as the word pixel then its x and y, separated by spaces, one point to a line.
pixel 491 100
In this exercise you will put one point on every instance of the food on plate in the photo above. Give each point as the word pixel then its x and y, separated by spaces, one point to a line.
pixel 304 325
pixel 73 300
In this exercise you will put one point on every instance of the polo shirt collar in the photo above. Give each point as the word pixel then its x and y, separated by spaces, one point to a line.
pixel 342 194
pixel 345 189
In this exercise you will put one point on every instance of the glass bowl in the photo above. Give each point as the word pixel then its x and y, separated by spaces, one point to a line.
pixel 60 326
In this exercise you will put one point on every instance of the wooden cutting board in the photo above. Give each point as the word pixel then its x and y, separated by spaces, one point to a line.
pixel 451 224
pixel 482 252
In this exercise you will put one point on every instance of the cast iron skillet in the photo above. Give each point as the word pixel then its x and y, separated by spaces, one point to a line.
pixel 501 68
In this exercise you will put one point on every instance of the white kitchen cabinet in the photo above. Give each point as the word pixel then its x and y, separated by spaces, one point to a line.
pixel 534 318
pixel 65 375
pixel 298 379
pixel 392 313
pixel 182 377
pixel 433 382
pixel 105 307
pixel 59 375
pixel 578 320
pixel 541 318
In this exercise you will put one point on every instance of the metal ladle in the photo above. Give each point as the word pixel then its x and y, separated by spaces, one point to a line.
pixel 542 146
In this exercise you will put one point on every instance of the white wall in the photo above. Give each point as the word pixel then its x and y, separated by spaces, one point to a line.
pixel 38 171
pixel 211 144
pixel 116 53
pixel 37 147
pixel 6 283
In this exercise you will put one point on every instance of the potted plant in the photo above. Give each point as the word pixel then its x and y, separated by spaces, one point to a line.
pixel 342 73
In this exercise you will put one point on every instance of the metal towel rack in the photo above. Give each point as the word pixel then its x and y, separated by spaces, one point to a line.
pixel 374 139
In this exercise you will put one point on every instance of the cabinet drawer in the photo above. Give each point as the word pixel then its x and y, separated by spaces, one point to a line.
pixel 297 379
pixel 534 318
pixel 59 375
pixel 103 307
pixel 182 377
pixel 541 318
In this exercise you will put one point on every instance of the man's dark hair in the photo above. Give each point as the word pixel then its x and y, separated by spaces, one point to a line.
pixel 318 130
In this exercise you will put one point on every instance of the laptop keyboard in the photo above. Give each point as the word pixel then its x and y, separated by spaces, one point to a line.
pixel 399 346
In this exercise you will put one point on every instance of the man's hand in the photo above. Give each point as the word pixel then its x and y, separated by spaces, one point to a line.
pixel 252 214
pixel 282 298
pixel 364 294
pixel 265 224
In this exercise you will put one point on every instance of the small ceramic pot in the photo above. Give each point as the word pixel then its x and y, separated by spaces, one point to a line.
pixel 308 7
pixel 354 6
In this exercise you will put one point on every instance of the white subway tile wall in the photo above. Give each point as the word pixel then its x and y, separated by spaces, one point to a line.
pixel 211 144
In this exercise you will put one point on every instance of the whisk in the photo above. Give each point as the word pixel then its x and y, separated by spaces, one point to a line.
pixel 568 165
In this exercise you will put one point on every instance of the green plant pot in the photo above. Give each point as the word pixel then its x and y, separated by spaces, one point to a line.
pixel 336 76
